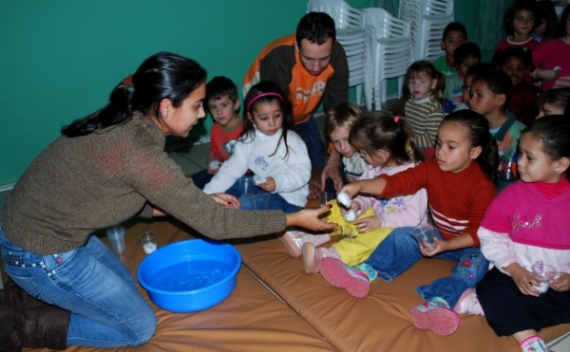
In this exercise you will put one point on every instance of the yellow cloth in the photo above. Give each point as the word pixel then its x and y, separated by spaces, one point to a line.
pixel 354 250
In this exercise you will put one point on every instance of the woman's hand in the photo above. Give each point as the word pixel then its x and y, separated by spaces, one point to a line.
pixel 268 185
pixel 561 283
pixel 310 219
pixel 523 279
pixel 368 224
pixel 227 200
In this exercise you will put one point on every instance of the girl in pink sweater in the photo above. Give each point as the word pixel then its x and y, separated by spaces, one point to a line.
pixel 525 235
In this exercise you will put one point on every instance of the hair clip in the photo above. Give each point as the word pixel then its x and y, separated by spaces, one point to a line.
pixel 396 118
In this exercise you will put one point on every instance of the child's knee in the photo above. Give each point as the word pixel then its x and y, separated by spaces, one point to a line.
pixel 472 268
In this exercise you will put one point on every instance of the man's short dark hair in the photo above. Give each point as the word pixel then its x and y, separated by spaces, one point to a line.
pixel 316 27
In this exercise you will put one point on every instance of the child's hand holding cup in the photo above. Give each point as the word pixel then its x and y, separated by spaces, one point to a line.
pixel 424 234
pixel 543 274
pixel 213 166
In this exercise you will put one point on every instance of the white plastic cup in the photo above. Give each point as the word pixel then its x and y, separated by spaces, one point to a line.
pixel 247 183
pixel 425 234
pixel 116 236
pixel 148 241
pixel 505 169
pixel 544 275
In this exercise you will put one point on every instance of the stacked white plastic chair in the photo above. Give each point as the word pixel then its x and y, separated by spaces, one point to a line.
pixel 391 51
pixel 354 37
pixel 428 19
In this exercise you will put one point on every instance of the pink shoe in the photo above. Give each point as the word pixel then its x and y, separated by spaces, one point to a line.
pixel 433 316
pixel 468 303
pixel 345 276
pixel 294 240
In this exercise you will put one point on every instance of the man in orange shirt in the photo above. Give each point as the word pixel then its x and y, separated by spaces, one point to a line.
pixel 310 66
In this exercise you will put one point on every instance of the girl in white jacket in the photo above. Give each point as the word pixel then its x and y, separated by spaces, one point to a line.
pixel 272 151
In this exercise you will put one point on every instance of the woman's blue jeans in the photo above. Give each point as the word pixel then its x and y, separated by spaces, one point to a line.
pixel 92 283
pixel 399 251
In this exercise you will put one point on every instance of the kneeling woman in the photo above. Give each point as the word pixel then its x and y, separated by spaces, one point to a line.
pixel 106 168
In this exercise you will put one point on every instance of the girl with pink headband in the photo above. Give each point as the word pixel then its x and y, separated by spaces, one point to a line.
pixel 271 151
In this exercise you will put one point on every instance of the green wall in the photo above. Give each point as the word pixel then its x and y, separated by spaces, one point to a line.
pixel 59 60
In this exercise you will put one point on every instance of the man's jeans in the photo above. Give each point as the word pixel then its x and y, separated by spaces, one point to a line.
pixel 315 146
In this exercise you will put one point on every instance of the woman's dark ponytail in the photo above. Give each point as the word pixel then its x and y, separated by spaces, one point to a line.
pixel 161 76
pixel 118 110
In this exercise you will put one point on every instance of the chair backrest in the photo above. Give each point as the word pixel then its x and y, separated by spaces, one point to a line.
pixel 438 7
pixel 344 15
pixel 385 25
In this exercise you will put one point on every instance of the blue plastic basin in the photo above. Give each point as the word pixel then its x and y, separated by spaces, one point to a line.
pixel 190 276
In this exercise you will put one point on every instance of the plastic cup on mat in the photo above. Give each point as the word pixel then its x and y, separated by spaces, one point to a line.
pixel 116 236
pixel 425 234
pixel 148 241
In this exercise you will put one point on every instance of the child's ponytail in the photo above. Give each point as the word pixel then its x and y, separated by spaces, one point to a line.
pixel 439 90
pixel 489 159
pixel 380 130
pixel 479 136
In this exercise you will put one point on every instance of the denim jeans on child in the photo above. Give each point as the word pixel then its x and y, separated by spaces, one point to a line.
pixel 91 282
pixel 312 137
pixel 258 199
pixel 399 251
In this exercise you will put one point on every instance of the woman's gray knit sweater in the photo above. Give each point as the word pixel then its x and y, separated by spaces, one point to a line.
pixel 81 184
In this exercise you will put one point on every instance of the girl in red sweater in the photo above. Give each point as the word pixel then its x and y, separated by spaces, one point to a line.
pixel 459 184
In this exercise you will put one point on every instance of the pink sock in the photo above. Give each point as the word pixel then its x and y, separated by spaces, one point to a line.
pixel 533 344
